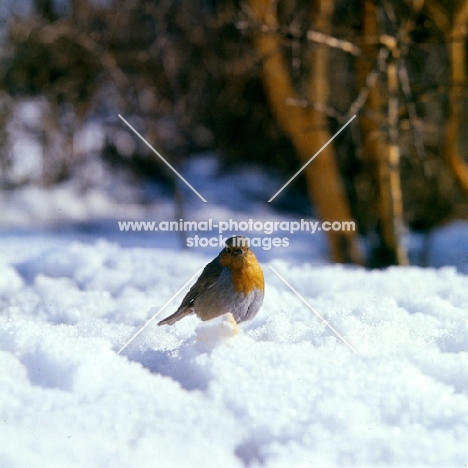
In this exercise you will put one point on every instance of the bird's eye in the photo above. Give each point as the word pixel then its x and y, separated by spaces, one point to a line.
pixel 228 250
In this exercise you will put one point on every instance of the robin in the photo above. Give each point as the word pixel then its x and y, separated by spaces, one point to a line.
pixel 232 282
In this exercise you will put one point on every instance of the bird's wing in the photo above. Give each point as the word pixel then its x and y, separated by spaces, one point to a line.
pixel 206 280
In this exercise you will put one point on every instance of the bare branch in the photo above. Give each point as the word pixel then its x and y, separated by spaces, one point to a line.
pixel 319 106
pixel 415 123
pixel 370 82
pixel 330 41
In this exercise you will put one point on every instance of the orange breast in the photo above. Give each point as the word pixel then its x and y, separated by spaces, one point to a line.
pixel 249 277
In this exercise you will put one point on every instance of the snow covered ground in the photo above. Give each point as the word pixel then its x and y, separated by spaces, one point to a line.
pixel 286 392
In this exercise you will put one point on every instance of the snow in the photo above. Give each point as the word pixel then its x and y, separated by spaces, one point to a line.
pixel 284 392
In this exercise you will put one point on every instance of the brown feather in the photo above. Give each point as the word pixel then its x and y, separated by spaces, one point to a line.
pixel 245 277
pixel 205 281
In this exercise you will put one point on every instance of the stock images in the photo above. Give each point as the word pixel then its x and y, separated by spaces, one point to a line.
pixel 233 234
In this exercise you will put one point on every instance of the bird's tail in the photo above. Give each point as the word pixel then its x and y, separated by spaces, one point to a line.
pixel 176 316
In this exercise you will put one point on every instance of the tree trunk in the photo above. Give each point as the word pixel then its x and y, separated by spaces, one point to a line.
pixel 457 54
pixel 307 128
pixel 383 154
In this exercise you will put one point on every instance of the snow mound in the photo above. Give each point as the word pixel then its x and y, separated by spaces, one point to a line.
pixel 285 391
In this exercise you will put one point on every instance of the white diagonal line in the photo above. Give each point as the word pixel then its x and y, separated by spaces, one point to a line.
pixel 312 158
pixel 159 311
pixel 156 152
pixel 312 309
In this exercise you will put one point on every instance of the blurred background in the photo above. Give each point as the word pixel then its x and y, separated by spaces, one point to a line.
pixel 220 87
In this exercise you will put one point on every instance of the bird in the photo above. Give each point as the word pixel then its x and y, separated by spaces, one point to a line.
pixel 232 282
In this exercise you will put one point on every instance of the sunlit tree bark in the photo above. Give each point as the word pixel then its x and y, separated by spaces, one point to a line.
pixel 307 128
pixel 380 148
pixel 456 42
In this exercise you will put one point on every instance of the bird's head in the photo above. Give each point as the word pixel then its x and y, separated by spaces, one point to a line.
pixel 236 252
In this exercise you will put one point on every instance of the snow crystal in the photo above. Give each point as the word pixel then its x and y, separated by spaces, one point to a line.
pixel 286 391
